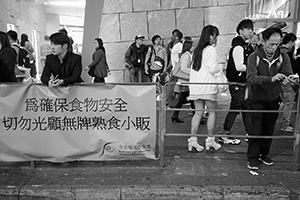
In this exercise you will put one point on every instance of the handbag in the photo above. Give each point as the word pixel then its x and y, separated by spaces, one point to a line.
pixel 178 73
pixel 91 72
pixel 221 78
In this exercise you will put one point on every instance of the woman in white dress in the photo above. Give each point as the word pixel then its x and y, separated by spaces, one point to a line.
pixel 204 69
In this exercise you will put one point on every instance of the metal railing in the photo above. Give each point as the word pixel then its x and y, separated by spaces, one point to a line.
pixel 162 125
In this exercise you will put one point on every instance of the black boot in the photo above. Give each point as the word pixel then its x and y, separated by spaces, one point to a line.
pixel 176 118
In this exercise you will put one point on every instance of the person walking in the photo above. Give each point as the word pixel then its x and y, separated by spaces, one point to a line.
pixel 236 72
pixel 184 66
pixel 99 67
pixel 204 70
pixel 175 55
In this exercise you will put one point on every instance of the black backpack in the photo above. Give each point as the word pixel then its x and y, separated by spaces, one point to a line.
pixel 23 59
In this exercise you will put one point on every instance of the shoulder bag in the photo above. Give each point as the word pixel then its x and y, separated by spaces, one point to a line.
pixel 178 73
pixel 221 78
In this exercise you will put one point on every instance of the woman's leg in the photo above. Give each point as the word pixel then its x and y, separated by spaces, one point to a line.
pixel 199 104
pixel 211 122
pixel 181 99
pixel 193 145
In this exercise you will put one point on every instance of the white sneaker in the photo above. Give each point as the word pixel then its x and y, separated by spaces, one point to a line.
pixel 246 139
pixel 287 129
pixel 228 140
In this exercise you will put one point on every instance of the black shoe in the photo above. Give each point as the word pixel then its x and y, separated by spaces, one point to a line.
pixel 266 160
pixel 176 119
pixel 253 164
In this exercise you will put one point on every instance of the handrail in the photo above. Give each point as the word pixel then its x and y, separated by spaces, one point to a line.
pixel 295 136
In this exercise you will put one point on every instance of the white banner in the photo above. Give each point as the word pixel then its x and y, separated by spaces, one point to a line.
pixel 81 122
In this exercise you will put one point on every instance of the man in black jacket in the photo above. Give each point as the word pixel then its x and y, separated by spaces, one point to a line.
pixel 135 59
pixel 236 72
pixel 62 67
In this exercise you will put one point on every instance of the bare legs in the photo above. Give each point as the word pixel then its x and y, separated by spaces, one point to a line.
pixel 211 122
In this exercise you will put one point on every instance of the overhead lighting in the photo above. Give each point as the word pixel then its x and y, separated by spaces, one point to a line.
pixel 65 3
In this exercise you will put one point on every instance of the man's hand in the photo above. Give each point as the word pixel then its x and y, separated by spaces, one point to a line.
pixel 50 84
pixel 57 82
pixel 293 78
pixel 279 77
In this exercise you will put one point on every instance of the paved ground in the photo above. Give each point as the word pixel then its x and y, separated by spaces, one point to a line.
pixel 207 175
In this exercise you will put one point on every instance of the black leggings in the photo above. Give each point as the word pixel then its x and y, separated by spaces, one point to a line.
pixel 182 98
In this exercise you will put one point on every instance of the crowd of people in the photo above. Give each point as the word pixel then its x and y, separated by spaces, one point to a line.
pixel 60 66
pixel 262 68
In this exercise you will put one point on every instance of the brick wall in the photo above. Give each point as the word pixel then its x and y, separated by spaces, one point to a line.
pixel 123 19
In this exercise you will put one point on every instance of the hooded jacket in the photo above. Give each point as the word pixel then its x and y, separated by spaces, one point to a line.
pixel 260 76
pixel 231 73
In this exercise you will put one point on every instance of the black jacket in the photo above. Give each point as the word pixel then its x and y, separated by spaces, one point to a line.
pixel 260 73
pixel 231 73
pixel 135 57
pixel 7 65
pixel 69 70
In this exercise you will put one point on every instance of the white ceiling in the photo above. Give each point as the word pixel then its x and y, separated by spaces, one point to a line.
pixel 73 8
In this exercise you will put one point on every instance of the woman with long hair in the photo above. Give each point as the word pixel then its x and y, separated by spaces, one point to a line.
pixel 185 68
pixel 99 65
pixel 30 50
pixel 7 60
pixel 205 66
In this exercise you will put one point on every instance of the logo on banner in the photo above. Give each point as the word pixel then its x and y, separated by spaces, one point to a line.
pixel 107 148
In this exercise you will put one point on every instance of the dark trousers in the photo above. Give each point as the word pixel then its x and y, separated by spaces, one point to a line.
pixel 238 102
pixel 170 89
pixel 181 99
pixel 99 80
pixel 261 124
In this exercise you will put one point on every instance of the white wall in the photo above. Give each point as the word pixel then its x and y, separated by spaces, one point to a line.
pixel 52 23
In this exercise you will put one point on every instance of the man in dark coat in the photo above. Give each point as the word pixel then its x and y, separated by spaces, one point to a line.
pixel 62 67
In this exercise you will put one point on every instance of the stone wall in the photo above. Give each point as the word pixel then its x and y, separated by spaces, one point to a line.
pixel 123 19
pixel 22 13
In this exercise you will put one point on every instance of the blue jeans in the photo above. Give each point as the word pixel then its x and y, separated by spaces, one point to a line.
pixel 135 75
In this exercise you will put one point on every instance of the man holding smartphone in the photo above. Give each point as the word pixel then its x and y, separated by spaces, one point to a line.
pixel 267 70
